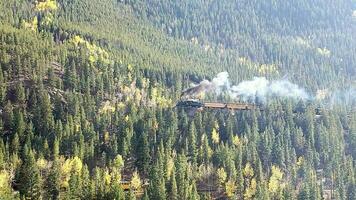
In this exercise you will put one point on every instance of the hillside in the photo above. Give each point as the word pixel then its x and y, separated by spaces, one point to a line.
pixel 88 92
pixel 303 38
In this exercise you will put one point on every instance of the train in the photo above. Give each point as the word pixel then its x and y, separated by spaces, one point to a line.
pixel 196 103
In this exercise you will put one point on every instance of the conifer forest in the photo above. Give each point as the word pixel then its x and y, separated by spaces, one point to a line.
pixel 177 100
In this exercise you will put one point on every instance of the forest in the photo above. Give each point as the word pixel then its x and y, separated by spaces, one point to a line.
pixel 88 95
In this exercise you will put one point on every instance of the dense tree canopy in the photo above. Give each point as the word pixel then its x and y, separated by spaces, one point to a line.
pixel 88 88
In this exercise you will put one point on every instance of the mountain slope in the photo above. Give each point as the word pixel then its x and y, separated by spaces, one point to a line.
pixel 305 38
pixel 88 93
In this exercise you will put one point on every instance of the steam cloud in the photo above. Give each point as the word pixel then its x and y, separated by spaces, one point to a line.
pixel 259 88
pixel 343 97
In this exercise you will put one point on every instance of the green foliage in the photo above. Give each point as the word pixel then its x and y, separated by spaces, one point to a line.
pixel 263 33
pixel 29 176
pixel 87 90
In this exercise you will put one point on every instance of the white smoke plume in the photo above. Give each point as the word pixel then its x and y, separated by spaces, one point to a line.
pixel 219 84
pixel 342 97
pixel 259 88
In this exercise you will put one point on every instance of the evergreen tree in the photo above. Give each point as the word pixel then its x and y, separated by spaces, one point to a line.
pixel 143 154
pixel 192 143
pixel 173 193
pixel 29 176
pixel 157 187
pixel 52 183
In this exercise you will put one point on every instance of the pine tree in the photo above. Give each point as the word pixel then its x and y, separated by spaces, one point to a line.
pixel 2 156
pixel 130 195
pixel 145 196
pixel 52 183
pixel 157 187
pixel 192 143
pixel 55 151
pixel 194 193
pixel 87 193
pixel 173 193
pixel 15 144
pixel 20 125
pixel 75 185
pixel 70 77
pixel 20 94
pixel 2 88
pixel 8 116
pixel 29 176
pixel 304 193
pixel 352 136
pixel 143 154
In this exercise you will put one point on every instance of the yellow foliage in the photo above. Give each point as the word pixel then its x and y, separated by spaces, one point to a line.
pixel 248 170
pixel 154 93
pixel 127 118
pixel 129 67
pixel 106 137
pixel 77 127
pixel 138 95
pixel 164 102
pixel 107 177
pixel 170 165
pixel 275 180
pixel 221 175
pixel 4 180
pixel 251 190
pixel 42 163
pixel 236 140
pixel 145 82
pixel 65 173
pixel 324 51
pixel 262 69
pixel 115 176
pixel 215 136
pixel 48 5
pixel 120 105
pixel 6 191
pixel 92 58
pixel 32 25
pixel 77 40
pixel 118 162
pixel 77 164
pixel 159 99
pixel 47 20
pixel 95 53
pixel 267 69
pixel 129 76
pixel 107 108
pixel 68 166
pixel 300 161
pixel 230 188
pixel 243 60
pixel 135 181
